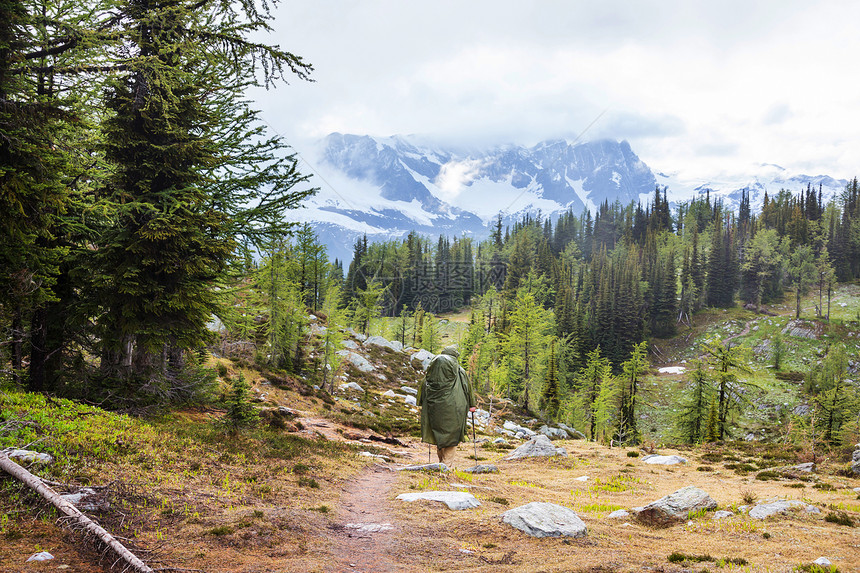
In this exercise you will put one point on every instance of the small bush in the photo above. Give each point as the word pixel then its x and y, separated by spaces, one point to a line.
pixel 824 486
pixel 221 530
pixel 815 568
pixel 308 482
pixel 766 535
pixel 839 518
pixel 499 500
pixel 678 557
pixel 748 497
pixel 704 469
pixel 633 454
pixel 767 475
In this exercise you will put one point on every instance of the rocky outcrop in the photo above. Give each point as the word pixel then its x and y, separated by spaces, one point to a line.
pixel 393 345
pixel 674 507
pixel 539 519
pixel 855 460
pixel 356 360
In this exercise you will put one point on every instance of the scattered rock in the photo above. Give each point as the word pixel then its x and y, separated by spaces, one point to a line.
pixel 539 519
pixel 482 469
pixel 389 394
pixel 674 507
pixel 28 457
pixel 517 429
pixel 619 514
pixel 436 467
pixel 410 400
pixel 504 441
pixel 349 344
pixel 581 478
pixel 375 456
pixel 664 460
pixel 456 500
pixel 779 506
pixel 553 433
pixel 381 342
pixel 87 499
pixel 574 433
pixel 40 556
pixel 423 357
pixel 356 360
pixel 823 562
pixel 807 467
pixel 672 370
pixel 351 386
pixel 370 527
pixel 539 446
pixel 721 514
pixel 408 390
pixel 800 329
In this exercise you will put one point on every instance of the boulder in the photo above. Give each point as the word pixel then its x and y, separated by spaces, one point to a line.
pixel 664 460
pixel 423 357
pixel 574 433
pixel 381 342
pixel 553 433
pixel 539 519
pixel 482 469
pixel 356 360
pixel 453 499
pixel 779 507
pixel 409 390
pixel 351 386
pixel 675 507
pixel 410 400
pixel 539 446
pixel 517 429
pixel 350 344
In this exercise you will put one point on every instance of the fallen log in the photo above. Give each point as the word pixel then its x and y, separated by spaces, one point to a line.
pixel 68 509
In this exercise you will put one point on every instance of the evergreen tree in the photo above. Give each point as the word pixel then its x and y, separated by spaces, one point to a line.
pixel 693 420
pixel 550 399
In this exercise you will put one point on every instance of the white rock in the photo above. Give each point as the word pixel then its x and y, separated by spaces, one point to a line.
pixel 41 556
pixel 581 478
pixel 672 370
pixel 410 400
pixel 453 499
pixel 517 429
pixel 540 519
pixel 664 460
pixel 356 360
pixel 350 344
pixel 351 386
pixel 389 394
pixel 779 506
pixel 424 357
pixel 28 457
pixel 539 446
pixel 370 527
pixel 722 513
pixel 675 507
pixel 394 345
pixel 619 514
pixel 553 433
pixel 438 467
pixel 574 433
pixel 823 561
pixel 409 390
pixel 375 456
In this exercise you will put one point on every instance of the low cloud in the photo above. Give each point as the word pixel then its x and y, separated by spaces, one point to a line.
pixel 455 175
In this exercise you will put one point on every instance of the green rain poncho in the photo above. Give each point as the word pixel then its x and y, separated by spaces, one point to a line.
pixel 445 399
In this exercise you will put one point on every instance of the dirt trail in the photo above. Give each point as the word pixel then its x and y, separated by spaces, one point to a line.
pixel 365 536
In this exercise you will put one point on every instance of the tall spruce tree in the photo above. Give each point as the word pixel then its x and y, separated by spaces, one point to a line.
pixel 169 242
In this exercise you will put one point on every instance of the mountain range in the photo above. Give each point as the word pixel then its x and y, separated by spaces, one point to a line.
pixel 386 187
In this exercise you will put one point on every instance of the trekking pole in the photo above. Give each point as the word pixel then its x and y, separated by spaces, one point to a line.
pixel 474 439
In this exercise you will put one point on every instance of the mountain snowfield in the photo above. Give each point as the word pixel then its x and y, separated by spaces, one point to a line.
pixel 386 187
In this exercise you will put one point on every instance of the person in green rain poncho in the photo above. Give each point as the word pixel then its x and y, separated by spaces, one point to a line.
pixel 445 398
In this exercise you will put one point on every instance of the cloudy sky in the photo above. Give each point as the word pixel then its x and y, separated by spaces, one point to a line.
pixel 700 88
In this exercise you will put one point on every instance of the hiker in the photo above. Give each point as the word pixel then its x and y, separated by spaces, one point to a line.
pixel 445 398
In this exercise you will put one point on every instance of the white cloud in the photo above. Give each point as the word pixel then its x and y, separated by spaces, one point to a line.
pixel 454 176
pixel 694 86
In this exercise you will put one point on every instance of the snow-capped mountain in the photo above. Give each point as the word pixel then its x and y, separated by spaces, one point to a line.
pixel 387 187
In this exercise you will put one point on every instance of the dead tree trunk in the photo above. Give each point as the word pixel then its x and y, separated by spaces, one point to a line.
pixel 35 483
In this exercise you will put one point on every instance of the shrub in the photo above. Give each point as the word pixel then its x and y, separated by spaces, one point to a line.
pixel 240 412
pixel 839 518
pixel 633 454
